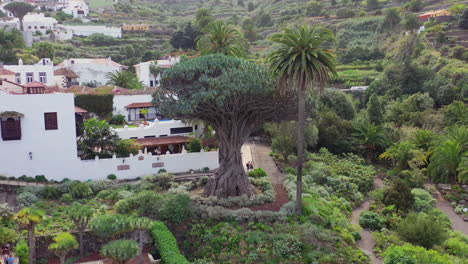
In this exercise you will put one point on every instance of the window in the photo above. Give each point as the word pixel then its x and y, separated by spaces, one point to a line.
pixel 11 129
pixel 18 78
pixel 29 77
pixel 42 77
pixel 133 137
pixel 35 90
pixel 150 136
pixel 50 120
pixel 151 83
pixel 181 130
pixel 162 135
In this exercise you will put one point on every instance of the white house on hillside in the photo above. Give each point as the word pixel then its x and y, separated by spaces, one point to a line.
pixel 145 74
pixel 91 70
pixel 85 31
pixel 77 8
pixel 42 72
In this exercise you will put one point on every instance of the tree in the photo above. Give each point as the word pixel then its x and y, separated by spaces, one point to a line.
pixel 120 250
pixel 463 170
pixel 370 137
pixel 203 17
pixel 222 38
pixel 80 215
pixel 402 153
pixel 140 224
pixel 233 96
pixel 411 22
pixel 10 41
pixel 44 49
pixel 250 7
pixel 64 243
pixel 97 139
pixel 444 162
pixel 124 79
pixel 185 39
pixel 110 225
pixel 399 194
pixel 414 5
pixel 125 147
pixel 28 218
pixel 19 10
pixel 422 229
pixel 302 62
pixel 392 17
pixel 372 4
pixel 374 110
pixel 7 235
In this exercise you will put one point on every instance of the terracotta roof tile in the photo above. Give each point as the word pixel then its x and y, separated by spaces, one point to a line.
pixel 80 110
pixel 140 105
pixel 66 72
pixel 4 71
pixel 151 142
pixel 35 84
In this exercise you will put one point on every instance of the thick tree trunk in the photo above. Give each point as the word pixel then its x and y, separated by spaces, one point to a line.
pixel 62 259
pixel 32 246
pixel 230 179
pixel 21 23
pixel 300 148
pixel 81 244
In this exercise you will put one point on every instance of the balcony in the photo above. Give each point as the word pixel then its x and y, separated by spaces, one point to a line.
pixel 70 84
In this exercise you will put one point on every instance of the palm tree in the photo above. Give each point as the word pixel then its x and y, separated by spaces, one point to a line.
pixel 28 218
pixel 19 10
pixel 222 38
pixel 301 62
pixel 458 134
pixel 411 22
pixel 392 17
pixel 402 153
pixel 124 79
pixel 463 169
pixel 369 136
pixel 445 160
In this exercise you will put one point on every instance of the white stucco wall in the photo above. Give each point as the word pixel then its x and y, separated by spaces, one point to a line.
pixel 85 31
pixel 49 148
pixel 92 72
pixel 156 129
pixel 144 74
pixel 35 69
pixel 120 101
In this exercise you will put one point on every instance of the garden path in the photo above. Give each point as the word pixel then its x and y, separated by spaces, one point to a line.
pixel 367 241
pixel 458 224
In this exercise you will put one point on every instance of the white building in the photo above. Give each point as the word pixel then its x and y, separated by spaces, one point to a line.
pixel 85 31
pixel 38 137
pixel 130 106
pixel 144 74
pixel 32 22
pixel 158 129
pixel 77 8
pixel 91 70
pixel 43 72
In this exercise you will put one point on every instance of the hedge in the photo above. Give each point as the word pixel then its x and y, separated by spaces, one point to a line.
pixel 167 244
pixel 100 104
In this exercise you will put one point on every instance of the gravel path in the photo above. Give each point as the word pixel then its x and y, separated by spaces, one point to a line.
pixel 367 242
pixel 458 223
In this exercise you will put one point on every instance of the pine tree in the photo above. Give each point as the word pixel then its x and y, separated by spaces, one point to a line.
pixel 374 110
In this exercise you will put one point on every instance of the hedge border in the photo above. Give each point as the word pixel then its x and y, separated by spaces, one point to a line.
pixel 167 244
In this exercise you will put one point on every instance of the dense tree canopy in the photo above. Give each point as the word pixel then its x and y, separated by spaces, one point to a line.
pixel 232 95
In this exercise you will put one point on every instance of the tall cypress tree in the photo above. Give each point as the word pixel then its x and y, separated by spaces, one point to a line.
pixel 374 110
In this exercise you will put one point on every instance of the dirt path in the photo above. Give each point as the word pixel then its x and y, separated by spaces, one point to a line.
pixel 367 241
pixel 458 224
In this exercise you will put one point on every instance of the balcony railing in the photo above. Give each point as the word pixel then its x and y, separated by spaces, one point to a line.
pixel 70 84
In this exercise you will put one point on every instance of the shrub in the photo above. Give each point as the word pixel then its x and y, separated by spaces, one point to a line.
pixel 79 190
pixel 5 211
pixel 176 209
pixel 145 203
pixel 50 192
pixel 399 194
pixel 344 13
pixel 111 177
pixel 120 250
pixel 457 246
pixel 423 200
pixel 40 178
pixel 413 254
pixel 194 145
pixel 286 246
pixel 66 198
pixel 26 199
pixel 161 181
pixel 100 104
pixel 422 229
pixel 371 220
pixel 117 119
pixel 258 173
pixel 22 252
pixel 125 147
pixel 203 180
pixel 97 186
pixel 166 244
pixel 162 170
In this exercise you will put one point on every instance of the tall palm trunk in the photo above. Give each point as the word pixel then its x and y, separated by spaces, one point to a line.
pixel 81 244
pixel 32 245
pixel 300 147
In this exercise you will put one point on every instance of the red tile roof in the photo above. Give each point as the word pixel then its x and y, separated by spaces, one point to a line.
pixel 140 105
pixel 80 110
pixel 66 72
pixel 151 142
pixel 107 90
pixel 35 84
pixel 4 71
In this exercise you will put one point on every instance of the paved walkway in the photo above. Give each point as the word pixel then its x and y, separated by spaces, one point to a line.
pixel 458 224
pixel 367 242
pixel 259 154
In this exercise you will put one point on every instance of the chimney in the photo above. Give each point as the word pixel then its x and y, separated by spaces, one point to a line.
pixel 20 62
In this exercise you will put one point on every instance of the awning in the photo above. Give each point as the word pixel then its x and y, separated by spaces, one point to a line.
pixel 140 105
pixel 80 110
pixel 154 142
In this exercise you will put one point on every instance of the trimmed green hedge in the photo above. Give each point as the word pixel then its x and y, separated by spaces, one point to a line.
pixel 100 104
pixel 167 244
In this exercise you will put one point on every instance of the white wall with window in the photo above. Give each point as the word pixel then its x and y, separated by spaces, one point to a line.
pixel 160 129
pixel 121 101
pixel 43 72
